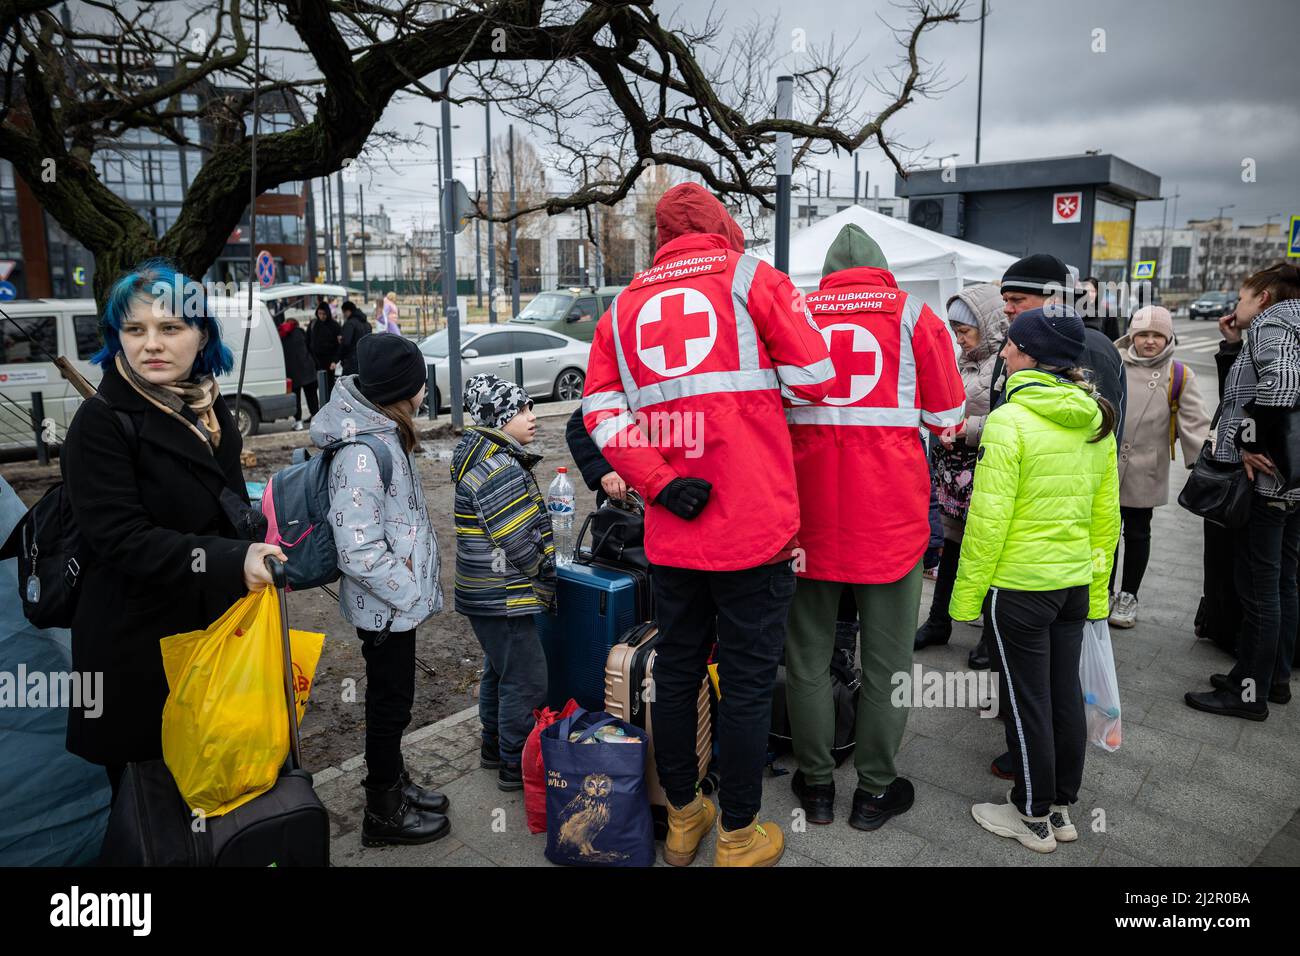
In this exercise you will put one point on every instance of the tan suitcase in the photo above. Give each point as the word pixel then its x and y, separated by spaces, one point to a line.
pixel 629 696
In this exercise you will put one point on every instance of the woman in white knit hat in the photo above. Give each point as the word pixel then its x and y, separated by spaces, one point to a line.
pixel 1164 409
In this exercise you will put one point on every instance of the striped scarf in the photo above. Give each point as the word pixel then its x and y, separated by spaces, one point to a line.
pixel 198 395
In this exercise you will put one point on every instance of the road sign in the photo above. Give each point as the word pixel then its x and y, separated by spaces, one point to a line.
pixel 6 267
pixel 1293 243
pixel 265 269
pixel 8 291
pixel 462 206
pixel 1146 269
pixel 1067 207
pixel 79 275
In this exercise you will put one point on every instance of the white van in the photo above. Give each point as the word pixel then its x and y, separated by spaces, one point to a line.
pixel 70 327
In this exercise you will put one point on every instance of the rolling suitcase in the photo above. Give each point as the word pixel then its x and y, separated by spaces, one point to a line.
pixel 151 825
pixel 629 695
pixel 598 598
pixel 594 606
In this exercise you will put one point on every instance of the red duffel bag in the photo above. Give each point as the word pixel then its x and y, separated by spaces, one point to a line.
pixel 533 770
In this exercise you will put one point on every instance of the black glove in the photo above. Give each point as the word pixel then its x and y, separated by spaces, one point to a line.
pixel 685 497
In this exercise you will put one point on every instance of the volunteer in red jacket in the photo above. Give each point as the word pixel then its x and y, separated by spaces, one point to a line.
pixel 683 398
pixel 864 495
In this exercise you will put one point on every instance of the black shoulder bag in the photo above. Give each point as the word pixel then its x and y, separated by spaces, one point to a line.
pixel 1218 491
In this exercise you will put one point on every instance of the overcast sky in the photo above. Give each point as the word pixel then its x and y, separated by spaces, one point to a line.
pixel 1187 89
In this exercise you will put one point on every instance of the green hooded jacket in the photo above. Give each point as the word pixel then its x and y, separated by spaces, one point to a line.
pixel 1044 512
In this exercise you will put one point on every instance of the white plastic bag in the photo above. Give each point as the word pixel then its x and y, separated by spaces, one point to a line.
pixel 1100 687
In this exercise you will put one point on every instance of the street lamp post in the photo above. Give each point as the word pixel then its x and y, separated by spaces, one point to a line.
pixel 449 265
pixel 784 170
pixel 979 86
pixel 492 249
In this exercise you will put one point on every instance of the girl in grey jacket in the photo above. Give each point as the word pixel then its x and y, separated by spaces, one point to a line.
pixel 388 555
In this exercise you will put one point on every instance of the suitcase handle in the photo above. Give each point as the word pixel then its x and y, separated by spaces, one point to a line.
pixel 279 579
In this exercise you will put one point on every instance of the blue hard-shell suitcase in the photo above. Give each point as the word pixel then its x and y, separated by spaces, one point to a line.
pixel 595 604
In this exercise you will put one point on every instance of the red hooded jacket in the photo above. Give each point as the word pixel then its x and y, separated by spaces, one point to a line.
pixel 685 379
pixel 864 484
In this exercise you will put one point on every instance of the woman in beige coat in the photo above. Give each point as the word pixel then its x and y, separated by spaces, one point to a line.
pixel 1151 429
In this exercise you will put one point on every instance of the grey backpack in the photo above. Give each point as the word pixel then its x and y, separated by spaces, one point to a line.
pixel 296 503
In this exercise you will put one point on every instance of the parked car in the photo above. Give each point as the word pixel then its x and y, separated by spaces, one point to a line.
pixel 555 366
pixel 572 312
pixel 38 329
pixel 297 300
pixel 1211 305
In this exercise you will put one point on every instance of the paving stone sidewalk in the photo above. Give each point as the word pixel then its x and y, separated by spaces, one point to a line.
pixel 1185 788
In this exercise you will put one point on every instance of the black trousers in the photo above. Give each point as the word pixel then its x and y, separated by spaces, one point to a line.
pixel 1222 616
pixel 313 403
pixel 1038 636
pixel 945 581
pixel 1268 554
pixel 390 693
pixel 750 609
pixel 1137 548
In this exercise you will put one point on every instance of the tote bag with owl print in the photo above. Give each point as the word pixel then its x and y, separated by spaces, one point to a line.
pixel 597 810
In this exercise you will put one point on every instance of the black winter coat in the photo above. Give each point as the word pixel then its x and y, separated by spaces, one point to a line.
pixel 585 454
pixel 159 555
pixel 298 364
pixel 324 342
pixel 354 330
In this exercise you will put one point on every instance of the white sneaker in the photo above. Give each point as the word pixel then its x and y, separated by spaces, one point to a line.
pixel 1003 819
pixel 1125 612
pixel 297 426
pixel 1062 828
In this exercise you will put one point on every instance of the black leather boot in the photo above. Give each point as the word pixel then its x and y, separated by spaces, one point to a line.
pixel 933 632
pixel 979 657
pixel 390 819
pixel 938 626
pixel 422 799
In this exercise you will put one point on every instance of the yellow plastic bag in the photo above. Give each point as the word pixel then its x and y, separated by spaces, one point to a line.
pixel 224 733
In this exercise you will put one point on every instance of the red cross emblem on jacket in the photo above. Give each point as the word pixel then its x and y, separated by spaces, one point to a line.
pixel 895 372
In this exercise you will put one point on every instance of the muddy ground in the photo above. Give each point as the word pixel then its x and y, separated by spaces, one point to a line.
pixel 334 727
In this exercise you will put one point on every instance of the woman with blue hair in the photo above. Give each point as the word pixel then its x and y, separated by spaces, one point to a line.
pixel 151 468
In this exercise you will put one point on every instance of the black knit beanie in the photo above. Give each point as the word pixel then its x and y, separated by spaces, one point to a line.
pixel 389 368
pixel 1039 274
pixel 1055 337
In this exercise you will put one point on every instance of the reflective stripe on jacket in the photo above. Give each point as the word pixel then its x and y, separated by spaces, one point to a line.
pixel 685 379
pixel 864 484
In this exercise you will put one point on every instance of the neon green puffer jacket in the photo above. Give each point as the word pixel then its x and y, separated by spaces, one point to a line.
pixel 1044 512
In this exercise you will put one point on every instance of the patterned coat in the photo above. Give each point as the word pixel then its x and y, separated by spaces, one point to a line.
pixel 1267 375
pixel 388 551
pixel 505 558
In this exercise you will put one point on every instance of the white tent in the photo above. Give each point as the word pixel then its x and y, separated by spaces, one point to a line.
pixel 926 264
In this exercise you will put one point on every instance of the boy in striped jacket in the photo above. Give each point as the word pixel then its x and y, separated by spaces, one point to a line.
pixel 505 565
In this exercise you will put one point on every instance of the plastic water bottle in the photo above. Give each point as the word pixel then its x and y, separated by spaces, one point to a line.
pixel 561 504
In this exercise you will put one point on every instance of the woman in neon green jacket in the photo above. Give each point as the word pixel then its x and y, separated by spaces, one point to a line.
pixel 1040 538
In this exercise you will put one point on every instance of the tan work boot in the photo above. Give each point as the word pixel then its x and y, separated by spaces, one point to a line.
pixel 686 829
pixel 759 844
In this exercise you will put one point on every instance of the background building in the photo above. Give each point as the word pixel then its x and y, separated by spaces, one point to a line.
pixel 1079 208
pixel 153 175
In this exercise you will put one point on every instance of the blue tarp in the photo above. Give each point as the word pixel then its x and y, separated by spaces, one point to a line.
pixel 53 806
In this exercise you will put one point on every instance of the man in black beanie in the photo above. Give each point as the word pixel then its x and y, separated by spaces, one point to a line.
pixel 1041 281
